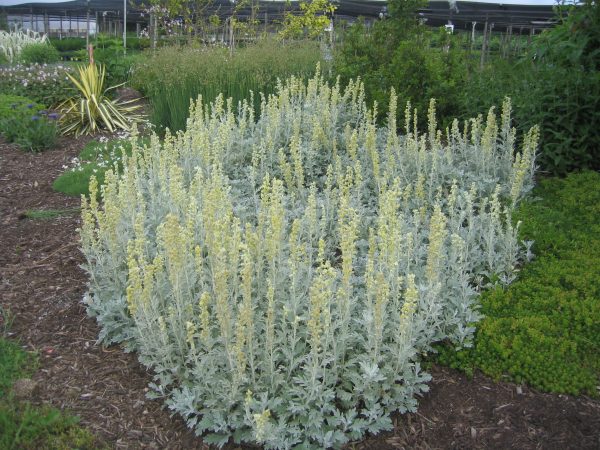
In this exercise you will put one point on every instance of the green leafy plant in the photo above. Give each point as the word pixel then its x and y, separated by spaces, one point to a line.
pixel 26 124
pixel 11 103
pixel 310 22
pixel 24 426
pixel 68 44
pixel 42 53
pixel 556 85
pixel 410 58
pixel 545 329
pixel 48 85
pixel 93 110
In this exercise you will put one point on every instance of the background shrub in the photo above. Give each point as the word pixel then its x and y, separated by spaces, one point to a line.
pixel 417 62
pixel 556 84
pixel 68 44
pixel 48 85
pixel 27 124
pixel 39 54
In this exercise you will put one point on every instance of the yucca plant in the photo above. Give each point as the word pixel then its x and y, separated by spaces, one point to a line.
pixel 93 109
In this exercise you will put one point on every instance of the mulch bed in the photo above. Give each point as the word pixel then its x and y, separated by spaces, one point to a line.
pixel 41 284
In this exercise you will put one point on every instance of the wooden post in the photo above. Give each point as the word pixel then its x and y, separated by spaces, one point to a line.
pixel 87 25
pixel 46 23
pixel 483 46
pixel 489 35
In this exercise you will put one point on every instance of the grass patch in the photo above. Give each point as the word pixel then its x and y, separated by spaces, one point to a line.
pixel 24 426
pixel 95 159
pixel 49 214
pixel 544 330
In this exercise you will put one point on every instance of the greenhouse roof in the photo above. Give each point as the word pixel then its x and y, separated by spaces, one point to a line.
pixel 525 14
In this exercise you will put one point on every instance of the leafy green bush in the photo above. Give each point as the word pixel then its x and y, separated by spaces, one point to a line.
pixel 15 363
pixel 282 275
pixel 39 54
pixel 27 124
pixel 210 71
pixel 48 85
pixel 119 67
pixel 68 44
pixel 10 103
pixel 416 62
pixel 545 329
pixel 556 85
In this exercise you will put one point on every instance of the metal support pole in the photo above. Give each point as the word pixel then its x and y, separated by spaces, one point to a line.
pixel 125 27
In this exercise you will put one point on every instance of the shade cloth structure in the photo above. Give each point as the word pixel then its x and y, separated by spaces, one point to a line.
pixel 529 13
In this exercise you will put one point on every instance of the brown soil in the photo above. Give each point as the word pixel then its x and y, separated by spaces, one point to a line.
pixel 41 284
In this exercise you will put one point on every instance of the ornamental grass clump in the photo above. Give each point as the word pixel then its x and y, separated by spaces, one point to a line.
pixel 283 274
pixel 12 43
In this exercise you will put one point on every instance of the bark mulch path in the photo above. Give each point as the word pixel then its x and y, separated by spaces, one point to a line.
pixel 41 284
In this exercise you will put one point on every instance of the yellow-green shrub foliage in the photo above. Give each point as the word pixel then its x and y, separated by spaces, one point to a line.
pixel 282 275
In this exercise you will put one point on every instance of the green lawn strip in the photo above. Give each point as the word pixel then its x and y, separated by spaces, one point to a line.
pixel 25 426
pixel 49 214
pixel 544 330
pixel 95 159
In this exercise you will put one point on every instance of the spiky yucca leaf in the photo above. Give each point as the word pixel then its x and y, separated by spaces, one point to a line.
pixel 92 109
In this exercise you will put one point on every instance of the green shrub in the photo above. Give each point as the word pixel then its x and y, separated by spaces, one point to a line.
pixel 556 85
pixel 11 103
pixel 137 43
pixel 415 61
pixel 39 54
pixel 210 71
pixel 27 123
pixel 15 363
pixel 48 85
pixel 68 44
pixel 119 67
pixel 545 329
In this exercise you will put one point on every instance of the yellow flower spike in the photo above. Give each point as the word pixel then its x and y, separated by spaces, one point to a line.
pixel 437 236
pixel 262 424
pixel 190 335
pixel 134 281
pixel 431 123
pixel 411 300
pixel 204 317
pixel 286 170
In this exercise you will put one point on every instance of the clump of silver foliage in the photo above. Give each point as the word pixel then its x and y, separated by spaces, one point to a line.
pixel 283 274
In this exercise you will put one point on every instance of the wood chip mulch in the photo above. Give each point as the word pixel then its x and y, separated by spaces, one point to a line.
pixel 41 284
